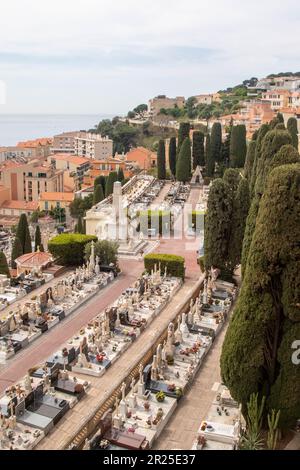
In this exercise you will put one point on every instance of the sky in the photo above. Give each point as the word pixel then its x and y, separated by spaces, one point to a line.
pixel 95 56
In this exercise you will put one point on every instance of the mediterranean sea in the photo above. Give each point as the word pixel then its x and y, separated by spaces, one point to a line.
pixel 19 127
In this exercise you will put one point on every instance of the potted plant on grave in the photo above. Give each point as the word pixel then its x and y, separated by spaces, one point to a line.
pixel 178 392
pixel 201 441
pixel 160 396
pixel 171 387
pixel 146 405
pixel 170 360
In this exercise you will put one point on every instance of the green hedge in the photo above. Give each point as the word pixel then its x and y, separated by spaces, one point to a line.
pixel 68 248
pixel 174 264
pixel 156 219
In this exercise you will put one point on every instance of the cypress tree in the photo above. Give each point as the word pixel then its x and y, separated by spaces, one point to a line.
pixel 260 136
pixel 249 163
pixel 183 133
pixel 172 155
pixel 3 265
pixel 37 239
pixel 280 118
pixel 161 160
pixel 16 252
pixel 183 165
pixel 79 225
pixel 112 178
pixel 217 225
pixel 232 178
pixel 238 146
pixel 100 180
pixel 209 162
pixel 257 354
pixel 198 149
pixel 249 230
pixel 225 150
pixel 120 175
pixel 292 127
pixel 23 234
pixel 98 194
pixel 216 142
pixel 241 204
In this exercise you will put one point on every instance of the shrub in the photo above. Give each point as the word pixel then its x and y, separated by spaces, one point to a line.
pixel 69 247
pixel 174 264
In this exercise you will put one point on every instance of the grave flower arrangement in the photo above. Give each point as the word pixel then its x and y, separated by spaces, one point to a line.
pixel 160 396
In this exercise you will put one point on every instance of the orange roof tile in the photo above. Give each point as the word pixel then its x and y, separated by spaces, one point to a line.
pixel 51 196
pixel 36 259
pixel 21 205
pixel 77 160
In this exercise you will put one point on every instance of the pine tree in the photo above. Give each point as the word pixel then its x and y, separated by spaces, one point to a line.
pixel 23 234
pixel 112 178
pixel 198 149
pixel 241 205
pixel 16 252
pixel 217 225
pixel 183 165
pixel 183 133
pixel 238 146
pixel 98 194
pixel 120 175
pixel 292 127
pixel 216 142
pixel 209 162
pixel 161 160
pixel 257 354
pixel 249 163
pixel 172 155
pixel 3 265
pixel 37 239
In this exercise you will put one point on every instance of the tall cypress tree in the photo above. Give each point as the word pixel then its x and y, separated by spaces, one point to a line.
pixel 198 149
pixel 98 194
pixel 16 252
pixel 3 265
pixel 79 225
pixel 238 146
pixel 292 127
pixel 249 162
pixel 183 165
pixel 37 239
pixel 120 175
pixel 241 205
pixel 172 155
pixel 232 178
pixel 161 160
pixel 257 354
pixel 183 133
pixel 225 149
pixel 217 225
pixel 23 234
pixel 100 180
pixel 209 162
pixel 112 178
pixel 280 118
pixel 260 136
pixel 216 142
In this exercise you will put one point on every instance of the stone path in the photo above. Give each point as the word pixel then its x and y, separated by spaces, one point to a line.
pixel 182 428
pixel 102 386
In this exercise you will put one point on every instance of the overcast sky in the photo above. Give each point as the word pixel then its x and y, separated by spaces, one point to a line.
pixel 96 56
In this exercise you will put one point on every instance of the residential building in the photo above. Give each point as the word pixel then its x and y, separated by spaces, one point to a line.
pixel 104 167
pixel 85 144
pixel 27 180
pixel 162 101
pixel 278 98
pixel 142 158
pixel 16 208
pixel 49 200
pixel 74 168
pixel 290 83
pixel 40 148
pixel 16 153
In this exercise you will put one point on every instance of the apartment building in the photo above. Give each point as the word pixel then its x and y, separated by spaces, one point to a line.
pixel 27 181
pixel 162 101
pixel 49 200
pixel 104 167
pixel 17 153
pixel 40 148
pixel 141 157
pixel 74 168
pixel 277 98
pixel 85 144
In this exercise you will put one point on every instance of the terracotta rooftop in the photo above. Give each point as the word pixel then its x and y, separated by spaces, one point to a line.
pixel 21 205
pixel 36 259
pixel 51 196
pixel 35 143
pixel 77 160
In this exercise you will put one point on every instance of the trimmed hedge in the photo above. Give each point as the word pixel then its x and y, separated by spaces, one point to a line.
pixel 175 264
pixel 68 248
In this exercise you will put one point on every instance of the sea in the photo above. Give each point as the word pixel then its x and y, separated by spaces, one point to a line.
pixel 19 127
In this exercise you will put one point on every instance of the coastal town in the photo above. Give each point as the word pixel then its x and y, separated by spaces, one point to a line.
pixel 140 259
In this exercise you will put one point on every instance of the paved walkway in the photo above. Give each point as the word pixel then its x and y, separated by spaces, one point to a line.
pixel 182 429
pixel 102 386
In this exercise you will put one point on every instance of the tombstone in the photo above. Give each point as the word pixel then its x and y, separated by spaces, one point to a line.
pixel 178 334
pixel 141 384
pixel 183 327
pixel 117 419
pixel 132 397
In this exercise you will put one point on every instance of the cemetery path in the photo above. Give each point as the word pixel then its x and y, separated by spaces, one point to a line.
pixel 181 430
pixel 102 387
pixel 161 196
pixel 46 344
